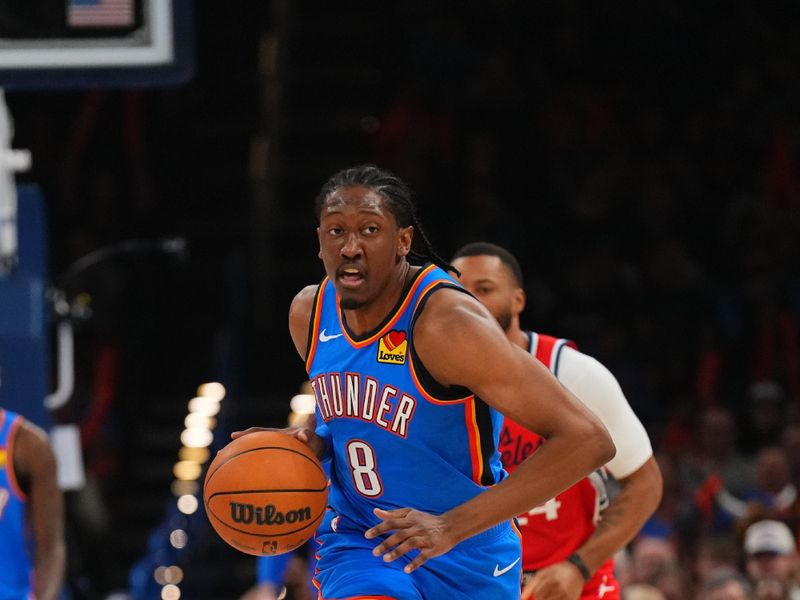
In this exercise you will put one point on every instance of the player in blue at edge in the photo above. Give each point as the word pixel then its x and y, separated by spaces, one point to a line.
pixel 32 547
pixel 409 373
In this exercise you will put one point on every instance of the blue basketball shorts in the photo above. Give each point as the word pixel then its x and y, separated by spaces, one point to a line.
pixel 485 566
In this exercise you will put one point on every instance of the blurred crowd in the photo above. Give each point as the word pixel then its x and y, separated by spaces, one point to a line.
pixel 648 182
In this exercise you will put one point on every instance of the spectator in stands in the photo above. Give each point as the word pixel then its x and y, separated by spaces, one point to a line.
pixel 770 555
pixel 655 563
pixel 642 591
pixel 765 417
pixel 725 584
pixel 790 442
pixel 775 490
pixel 715 556
pixel 715 453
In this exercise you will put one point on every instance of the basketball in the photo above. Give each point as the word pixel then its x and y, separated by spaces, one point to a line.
pixel 265 493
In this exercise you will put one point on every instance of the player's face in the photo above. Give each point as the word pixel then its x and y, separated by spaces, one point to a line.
pixel 491 282
pixel 360 244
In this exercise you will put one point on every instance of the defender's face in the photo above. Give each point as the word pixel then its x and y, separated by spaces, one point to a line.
pixel 360 244
pixel 491 282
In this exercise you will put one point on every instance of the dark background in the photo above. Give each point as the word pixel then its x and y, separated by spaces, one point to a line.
pixel 640 159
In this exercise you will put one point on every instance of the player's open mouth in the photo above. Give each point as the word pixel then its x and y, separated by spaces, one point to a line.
pixel 350 277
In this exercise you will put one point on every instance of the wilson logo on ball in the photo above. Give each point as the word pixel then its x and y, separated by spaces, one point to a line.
pixel 392 348
pixel 267 515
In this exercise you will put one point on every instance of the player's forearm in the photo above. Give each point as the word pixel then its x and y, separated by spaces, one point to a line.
pixel 638 498
pixel 551 469
pixel 49 571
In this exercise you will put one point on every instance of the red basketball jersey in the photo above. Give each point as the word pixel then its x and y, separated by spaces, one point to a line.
pixel 556 529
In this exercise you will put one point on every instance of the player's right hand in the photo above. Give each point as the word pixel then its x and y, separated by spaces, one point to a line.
pixel 304 434
pixel 560 581
pixel 413 530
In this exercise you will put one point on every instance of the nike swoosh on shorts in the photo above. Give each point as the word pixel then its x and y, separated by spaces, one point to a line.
pixel 498 571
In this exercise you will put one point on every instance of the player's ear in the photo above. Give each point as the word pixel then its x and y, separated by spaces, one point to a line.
pixel 518 300
pixel 404 240
pixel 319 239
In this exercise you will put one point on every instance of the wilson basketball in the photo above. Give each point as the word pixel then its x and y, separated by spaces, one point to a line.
pixel 265 493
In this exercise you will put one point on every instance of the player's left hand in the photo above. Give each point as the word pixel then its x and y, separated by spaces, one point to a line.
pixel 413 530
pixel 561 581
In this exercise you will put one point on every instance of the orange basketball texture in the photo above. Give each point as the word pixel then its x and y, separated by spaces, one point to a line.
pixel 265 493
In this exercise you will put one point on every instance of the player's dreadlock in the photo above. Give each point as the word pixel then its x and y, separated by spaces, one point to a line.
pixel 398 198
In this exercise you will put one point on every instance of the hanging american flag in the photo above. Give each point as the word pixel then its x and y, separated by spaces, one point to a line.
pixel 100 13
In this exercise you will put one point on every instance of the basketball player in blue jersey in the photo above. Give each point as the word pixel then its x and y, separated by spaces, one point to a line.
pixel 409 373
pixel 32 549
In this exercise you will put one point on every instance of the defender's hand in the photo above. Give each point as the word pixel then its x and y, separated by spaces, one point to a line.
pixel 413 529
pixel 561 581
pixel 304 434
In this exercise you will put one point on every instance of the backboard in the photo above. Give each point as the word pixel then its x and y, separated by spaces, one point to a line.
pixel 94 43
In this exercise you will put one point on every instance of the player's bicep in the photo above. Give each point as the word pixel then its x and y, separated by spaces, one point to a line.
pixel 46 501
pixel 527 392
pixel 478 356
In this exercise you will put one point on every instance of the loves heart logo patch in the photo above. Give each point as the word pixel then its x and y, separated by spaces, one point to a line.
pixel 392 348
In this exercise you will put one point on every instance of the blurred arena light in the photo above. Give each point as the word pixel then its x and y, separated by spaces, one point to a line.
pixel 198 420
pixel 187 470
pixel 170 592
pixel 194 453
pixel 303 404
pixel 173 574
pixel 178 538
pixel 196 437
pixel 213 389
pixel 158 575
pixel 198 455
pixel 203 405
pixel 184 488
pixel 188 504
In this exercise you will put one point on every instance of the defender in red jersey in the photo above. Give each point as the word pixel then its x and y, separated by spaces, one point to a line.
pixel 568 544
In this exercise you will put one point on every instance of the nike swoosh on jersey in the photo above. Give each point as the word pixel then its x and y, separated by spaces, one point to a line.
pixel 498 571
pixel 328 338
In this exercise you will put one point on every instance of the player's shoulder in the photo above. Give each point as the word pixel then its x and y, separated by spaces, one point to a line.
pixel 31 435
pixel 451 304
pixel 31 447
pixel 453 313
pixel 300 316
pixel 306 295
pixel 303 301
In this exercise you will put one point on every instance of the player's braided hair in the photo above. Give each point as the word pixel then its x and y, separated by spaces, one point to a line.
pixel 398 199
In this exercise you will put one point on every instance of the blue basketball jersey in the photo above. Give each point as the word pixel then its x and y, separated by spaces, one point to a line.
pixel 399 438
pixel 16 571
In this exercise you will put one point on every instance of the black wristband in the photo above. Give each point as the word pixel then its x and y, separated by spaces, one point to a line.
pixel 576 560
